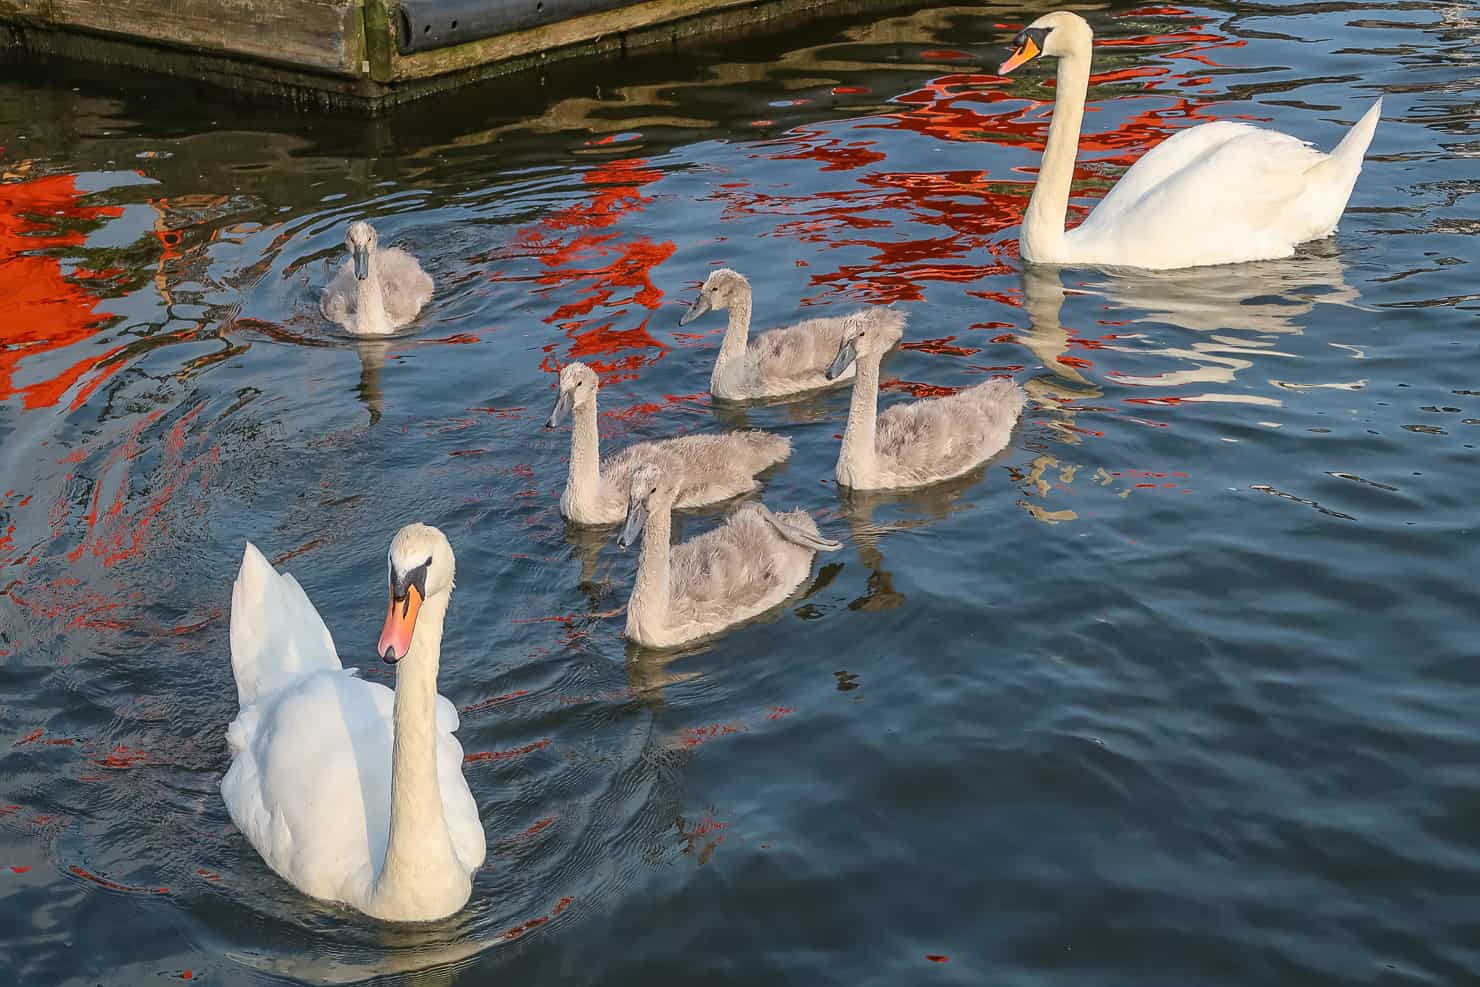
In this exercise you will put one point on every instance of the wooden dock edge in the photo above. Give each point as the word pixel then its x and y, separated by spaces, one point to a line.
pixel 342 54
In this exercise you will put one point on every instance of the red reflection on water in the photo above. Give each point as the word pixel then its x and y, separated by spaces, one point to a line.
pixel 916 389
pixel 41 309
pixel 539 826
pixel 122 757
pixel 506 755
pixel 578 252
pixel 113 885
pixel 119 530
pixel 534 923
pixel 694 736
pixel 488 704
pixel 941 347
pixel 38 733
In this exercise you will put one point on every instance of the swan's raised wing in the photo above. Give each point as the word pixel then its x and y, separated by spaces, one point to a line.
pixel 276 634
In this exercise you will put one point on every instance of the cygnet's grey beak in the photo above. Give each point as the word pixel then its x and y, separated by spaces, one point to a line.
pixel 700 306
pixel 637 514
pixel 847 353
pixel 361 253
pixel 562 408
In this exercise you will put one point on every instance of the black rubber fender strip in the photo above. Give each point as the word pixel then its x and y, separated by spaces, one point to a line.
pixel 426 24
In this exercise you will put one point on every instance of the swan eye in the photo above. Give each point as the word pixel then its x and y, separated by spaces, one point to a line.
pixel 428 563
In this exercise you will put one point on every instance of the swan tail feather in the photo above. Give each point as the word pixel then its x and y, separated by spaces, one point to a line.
pixel 1329 182
pixel 1353 147
pixel 798 535
pixel 276 634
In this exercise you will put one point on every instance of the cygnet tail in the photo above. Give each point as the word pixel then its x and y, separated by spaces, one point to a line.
pixel 798 535
pixel 1002 397
pixel 762 449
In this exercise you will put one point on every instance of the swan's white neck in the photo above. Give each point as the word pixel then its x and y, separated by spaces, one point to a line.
pixel 647 610
pixel 370 301
pixel 1043 224
pixel 731 359
pixel 857 460
pixel 421 872
pixel 583 481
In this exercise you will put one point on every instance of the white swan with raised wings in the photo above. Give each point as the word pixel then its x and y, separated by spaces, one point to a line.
pixel 349 791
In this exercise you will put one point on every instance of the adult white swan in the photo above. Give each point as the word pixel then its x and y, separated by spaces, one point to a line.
pixel 352 792
pixel 376 291
pixel 1219 193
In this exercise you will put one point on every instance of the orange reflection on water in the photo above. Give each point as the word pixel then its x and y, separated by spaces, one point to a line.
pixel 41 309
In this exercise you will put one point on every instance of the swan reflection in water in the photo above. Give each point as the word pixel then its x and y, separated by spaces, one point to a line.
pixel 372 354
pixel 426 955
pixel 928 505
pixel 1232 305
pixel 1233 309
pixel 809 409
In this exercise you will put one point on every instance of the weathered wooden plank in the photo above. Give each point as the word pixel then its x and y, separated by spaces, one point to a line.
pixel 333 54
pixel 322 35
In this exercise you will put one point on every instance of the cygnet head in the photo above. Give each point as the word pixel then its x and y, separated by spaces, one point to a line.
pixel 361 240
pixel 1058 33
pixel 651 489
pixel 721 289
pixel 578 386
pixel 864 338
pixel 420 565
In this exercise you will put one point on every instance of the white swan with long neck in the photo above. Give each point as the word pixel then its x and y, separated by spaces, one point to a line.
pixel 349 791
pixel 778 362
pixel 707 468
pixel 1219 193
pixel 729 574
pixel 376 291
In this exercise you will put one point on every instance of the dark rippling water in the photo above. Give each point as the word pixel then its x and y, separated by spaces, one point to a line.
pixel 1179 689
